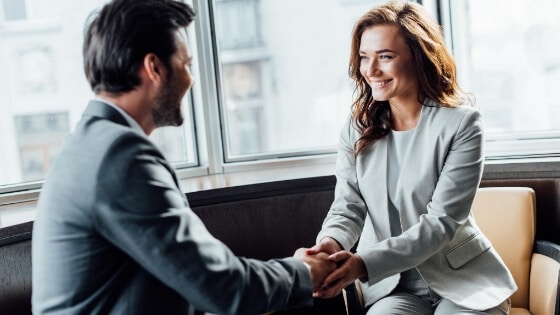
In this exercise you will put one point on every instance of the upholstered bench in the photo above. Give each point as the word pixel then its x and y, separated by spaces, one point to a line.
pixel 288 215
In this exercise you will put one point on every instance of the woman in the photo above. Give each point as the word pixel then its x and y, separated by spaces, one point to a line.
pixel 409 163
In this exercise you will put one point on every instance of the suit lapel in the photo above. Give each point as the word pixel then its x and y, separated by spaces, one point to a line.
pixel 410 162
pixel 375 169
pixel 410 172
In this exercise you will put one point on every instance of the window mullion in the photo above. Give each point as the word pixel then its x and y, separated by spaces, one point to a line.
pixel 205 90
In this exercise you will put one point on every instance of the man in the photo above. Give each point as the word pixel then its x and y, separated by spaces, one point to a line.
pixel 113 233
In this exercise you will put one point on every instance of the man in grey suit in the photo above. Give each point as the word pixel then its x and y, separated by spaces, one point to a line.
pixel 114 234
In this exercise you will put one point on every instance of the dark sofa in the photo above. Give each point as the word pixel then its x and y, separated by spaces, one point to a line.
pixel 261 221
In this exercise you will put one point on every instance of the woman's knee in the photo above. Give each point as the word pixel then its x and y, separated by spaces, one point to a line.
pixel 401 304
pixel 446 307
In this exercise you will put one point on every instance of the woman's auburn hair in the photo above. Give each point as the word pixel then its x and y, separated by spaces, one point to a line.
pixel 435 67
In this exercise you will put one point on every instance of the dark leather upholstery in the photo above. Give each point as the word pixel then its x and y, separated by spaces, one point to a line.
pixel 15 269
pixel 270 227
pixel 260 221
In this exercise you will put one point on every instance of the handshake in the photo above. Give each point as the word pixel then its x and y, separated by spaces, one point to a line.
pixel 331 268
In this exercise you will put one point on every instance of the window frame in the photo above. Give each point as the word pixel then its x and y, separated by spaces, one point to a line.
pixel 207 91
pixel 209 132
pixel 509 145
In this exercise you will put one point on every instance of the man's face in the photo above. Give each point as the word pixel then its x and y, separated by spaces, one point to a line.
pixel 167 108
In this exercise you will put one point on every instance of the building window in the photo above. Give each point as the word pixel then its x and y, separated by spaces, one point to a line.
pixel 39 137
pixel 44 91
pixel 28 12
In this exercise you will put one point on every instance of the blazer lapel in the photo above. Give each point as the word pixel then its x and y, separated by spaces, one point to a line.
pixel 410 170
pixel 374 175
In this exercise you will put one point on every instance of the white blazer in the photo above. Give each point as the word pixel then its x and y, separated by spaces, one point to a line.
pixel 438 182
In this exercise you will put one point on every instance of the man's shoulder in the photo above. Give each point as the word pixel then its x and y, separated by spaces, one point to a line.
pixel 101 137
pixel 95 147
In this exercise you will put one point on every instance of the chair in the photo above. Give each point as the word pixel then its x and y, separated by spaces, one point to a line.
pixel 506 215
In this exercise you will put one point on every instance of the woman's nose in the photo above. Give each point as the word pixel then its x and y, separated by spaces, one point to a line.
pixel 373 69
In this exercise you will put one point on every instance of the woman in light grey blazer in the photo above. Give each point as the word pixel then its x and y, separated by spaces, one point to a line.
pixel 409 163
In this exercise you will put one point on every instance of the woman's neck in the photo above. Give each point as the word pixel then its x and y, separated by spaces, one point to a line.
pixel 405 116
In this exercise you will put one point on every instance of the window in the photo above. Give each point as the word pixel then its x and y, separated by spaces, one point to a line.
pixel 44 91
pixel 14 10
pixel 271 80
pixel 508 56
pixel 28 10
pixel 39 136
pixel 25 15
pixel 283 75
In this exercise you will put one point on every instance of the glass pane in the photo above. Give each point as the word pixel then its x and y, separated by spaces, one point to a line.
pixel 508 55
pixel 44 91
pixel 39 136
pixel 14 10
pixel 283 73
pixel 178 144
pixel 43 9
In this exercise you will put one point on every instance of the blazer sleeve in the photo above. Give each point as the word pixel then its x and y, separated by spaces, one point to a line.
pixel 345 219
pixel 142 212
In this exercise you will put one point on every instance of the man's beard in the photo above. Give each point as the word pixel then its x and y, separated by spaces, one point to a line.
pixel 167 111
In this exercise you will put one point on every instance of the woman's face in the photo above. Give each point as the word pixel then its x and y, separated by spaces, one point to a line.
pixel 387 65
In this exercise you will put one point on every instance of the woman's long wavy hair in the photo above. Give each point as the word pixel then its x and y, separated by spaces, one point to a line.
pixel 435 67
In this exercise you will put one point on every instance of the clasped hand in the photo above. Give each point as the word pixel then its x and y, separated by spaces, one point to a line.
pixel 332 269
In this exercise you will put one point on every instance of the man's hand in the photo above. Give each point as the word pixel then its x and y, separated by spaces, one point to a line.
pixel 350 268
pixel 320 266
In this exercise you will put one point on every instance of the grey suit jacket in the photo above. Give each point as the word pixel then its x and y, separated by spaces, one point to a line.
pixel 438 181
pixel 115 235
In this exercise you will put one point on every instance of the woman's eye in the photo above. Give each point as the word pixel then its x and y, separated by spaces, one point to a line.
pixel 385 57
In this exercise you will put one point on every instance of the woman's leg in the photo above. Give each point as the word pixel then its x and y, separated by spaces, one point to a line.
pixel 401 303
pixel 446 307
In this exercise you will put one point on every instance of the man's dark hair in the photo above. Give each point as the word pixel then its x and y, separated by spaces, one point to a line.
pixel 124 31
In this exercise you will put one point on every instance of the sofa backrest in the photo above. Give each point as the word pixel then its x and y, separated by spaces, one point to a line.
pixel 259 221
pixel 15 269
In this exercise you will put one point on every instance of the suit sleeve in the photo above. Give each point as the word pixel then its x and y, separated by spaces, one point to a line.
pixel 147 216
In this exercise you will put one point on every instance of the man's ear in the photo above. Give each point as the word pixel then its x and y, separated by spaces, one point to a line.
pixel 153 68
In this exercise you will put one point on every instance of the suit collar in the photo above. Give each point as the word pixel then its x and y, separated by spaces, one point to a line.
pixel 103 110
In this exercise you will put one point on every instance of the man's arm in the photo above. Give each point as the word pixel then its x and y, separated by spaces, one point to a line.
pixel 149 219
